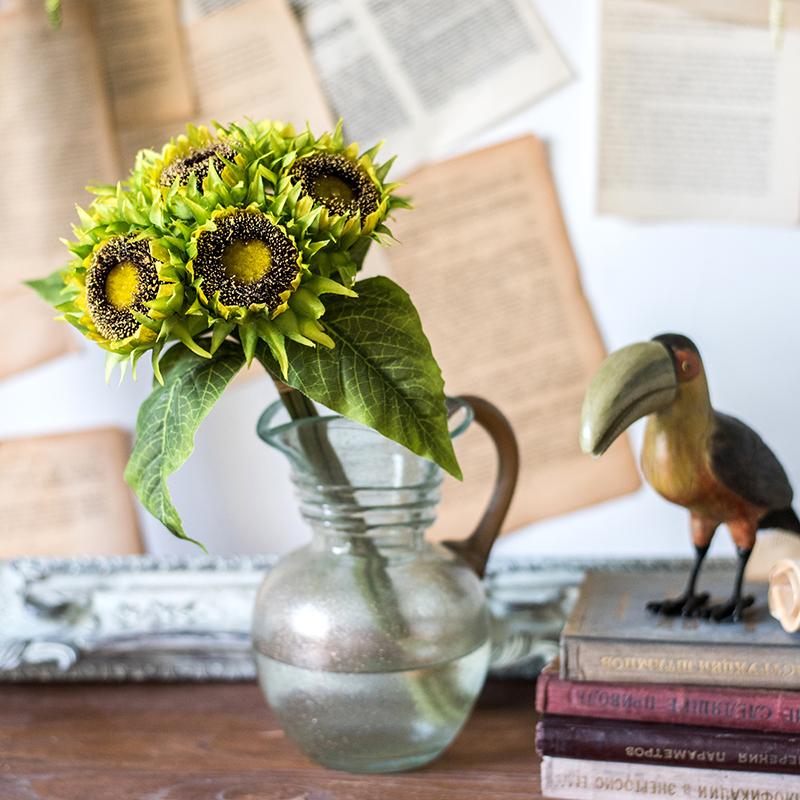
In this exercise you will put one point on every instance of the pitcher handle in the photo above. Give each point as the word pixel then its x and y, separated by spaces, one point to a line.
pixel 475 548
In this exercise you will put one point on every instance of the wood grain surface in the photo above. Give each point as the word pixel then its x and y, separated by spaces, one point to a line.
pixel 219 741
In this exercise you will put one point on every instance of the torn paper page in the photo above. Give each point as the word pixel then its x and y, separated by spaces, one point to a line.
pixel 141 45
pixel 247 59
pixel 425 74
pixel 57 125
pixel 698 117
pixel 489 265
pixel 64 495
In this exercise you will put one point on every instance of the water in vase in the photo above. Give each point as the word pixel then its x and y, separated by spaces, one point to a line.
pixel 355 720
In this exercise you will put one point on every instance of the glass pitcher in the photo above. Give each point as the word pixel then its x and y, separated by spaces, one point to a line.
pixel 372 644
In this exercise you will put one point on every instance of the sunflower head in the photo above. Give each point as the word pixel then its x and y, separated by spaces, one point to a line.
pixel 121 279
pixel 243 261
pixel 340 184
pixel 187 156
pixel 197 162
pixel 341 195
pixel 249 274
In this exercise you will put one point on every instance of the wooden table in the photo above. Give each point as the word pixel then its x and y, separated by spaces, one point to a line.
pixel 219 741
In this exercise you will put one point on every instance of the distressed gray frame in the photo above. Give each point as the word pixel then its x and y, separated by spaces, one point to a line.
pixel 166 618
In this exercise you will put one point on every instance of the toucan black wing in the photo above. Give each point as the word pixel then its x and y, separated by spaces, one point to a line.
pixel 745 465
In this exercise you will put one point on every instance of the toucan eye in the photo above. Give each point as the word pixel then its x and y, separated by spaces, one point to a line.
pixel 686 366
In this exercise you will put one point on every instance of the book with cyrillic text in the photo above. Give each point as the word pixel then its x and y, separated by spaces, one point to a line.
pixel 576 779
pixel 773 710
pixel 611 637
pixel 668 745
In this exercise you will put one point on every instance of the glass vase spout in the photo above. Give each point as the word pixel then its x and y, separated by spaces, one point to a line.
pixel 372 643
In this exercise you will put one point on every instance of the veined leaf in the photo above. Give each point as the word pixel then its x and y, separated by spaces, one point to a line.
pixel 168 420
pixel 381 371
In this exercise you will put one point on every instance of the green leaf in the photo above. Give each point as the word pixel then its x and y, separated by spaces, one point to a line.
pixel 50 288
pixel 168 420
pixel 381 372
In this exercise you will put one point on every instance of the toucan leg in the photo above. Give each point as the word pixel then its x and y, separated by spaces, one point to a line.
pixel 690 603
pixel 732 610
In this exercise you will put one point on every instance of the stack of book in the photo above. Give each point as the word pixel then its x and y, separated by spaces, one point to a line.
pixel 644 706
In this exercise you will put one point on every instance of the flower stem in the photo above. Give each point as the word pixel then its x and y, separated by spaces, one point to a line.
pixel 371 572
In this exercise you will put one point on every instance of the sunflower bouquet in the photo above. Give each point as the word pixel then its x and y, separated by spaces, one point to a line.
pixel 240 244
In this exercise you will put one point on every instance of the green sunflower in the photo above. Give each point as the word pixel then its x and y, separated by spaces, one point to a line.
pixel 121 279
pixel 249 275
pixel 126 300
pixel 244 262
pixel 337 182
pixel 197 161
pixel 344 191
pixel 124 287
pixel 194 153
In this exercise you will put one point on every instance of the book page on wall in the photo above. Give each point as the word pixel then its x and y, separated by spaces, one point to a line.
pixel 156 88
pixel 486 257
pixel 64 495
pixel 406 71
pixel 56 121
pixel 246 59
pixel 699 115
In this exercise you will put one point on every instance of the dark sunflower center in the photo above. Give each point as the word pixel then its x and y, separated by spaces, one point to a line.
pixel 338 183
pixel 331 188
pixel 122 278
pixel 246 260
pixel 198 161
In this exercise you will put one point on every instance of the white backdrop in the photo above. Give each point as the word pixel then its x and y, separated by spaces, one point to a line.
pixel 734 289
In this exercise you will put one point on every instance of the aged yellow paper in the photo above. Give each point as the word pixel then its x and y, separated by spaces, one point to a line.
pixel 250 60
pixel 142 50
pixel 698 112
pixel 486 257
pixel 64 495
pixel 29 332
pixel 245 60
pixel 57 138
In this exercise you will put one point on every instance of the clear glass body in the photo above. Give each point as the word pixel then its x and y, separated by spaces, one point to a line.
pixel 372 644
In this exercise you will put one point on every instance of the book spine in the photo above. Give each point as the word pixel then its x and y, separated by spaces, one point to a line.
pixel 713 707
pixel 573 779
pixel 672 745
pixel 698 663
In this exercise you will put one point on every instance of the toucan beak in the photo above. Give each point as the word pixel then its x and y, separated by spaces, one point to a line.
pixel 630 384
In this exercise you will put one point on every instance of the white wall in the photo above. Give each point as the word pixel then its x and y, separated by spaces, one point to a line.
pixel 734 289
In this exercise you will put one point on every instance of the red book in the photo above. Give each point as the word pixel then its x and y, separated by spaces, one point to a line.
pixel 667 745
pixel 705 706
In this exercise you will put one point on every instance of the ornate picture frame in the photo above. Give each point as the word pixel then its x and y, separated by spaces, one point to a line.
pixel 167 618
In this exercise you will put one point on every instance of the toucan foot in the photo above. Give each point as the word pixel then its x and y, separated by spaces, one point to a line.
pixel 730 611
pixel 687 605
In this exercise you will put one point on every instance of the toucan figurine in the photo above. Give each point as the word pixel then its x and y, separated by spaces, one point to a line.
pixel 708 462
